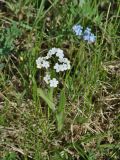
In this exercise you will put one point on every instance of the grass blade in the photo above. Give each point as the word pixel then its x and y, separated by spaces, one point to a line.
pixel 43 95
pixel 60 112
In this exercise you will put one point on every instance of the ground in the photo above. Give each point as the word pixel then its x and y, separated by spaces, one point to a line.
pixel 80 118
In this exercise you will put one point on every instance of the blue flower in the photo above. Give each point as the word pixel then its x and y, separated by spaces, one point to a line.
pixel 77 29
pixel 88 30
pixel 92 38
pixel 88 36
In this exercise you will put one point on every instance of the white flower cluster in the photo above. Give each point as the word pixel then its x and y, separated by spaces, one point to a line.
pixel 63 64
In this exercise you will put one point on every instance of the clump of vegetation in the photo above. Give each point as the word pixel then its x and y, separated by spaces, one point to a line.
pixel 8 37
pixel 59 80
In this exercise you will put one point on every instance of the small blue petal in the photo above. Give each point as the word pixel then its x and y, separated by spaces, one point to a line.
pixel 88 29
pixel 92 38
pixel 88 36
pixel 77 29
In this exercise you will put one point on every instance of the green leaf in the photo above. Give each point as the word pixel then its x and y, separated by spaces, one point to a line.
pixel 44 96
pixel 60 112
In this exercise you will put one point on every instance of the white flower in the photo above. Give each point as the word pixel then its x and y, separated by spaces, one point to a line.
pixel 39 62
pixel 64 67
pixel 47 78
pixel 53 82
pixel 68 65
pixel 57 67
pixel 47 57
pixel 45 64
pixel 64 60
pixel 51 52
pixel 61 67
pixel 59 53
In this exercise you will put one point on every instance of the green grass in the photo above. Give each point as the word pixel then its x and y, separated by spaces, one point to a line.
pixel 80 118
